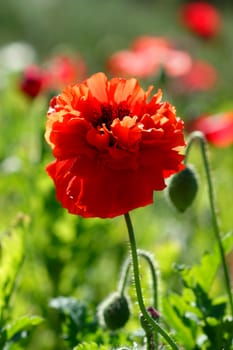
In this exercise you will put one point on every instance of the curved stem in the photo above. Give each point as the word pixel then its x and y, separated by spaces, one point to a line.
pixel 152 323
pixel 153 270
pixel 200 137
pixel 124 276
pixel 152 339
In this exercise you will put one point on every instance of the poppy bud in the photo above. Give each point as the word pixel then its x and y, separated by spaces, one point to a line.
pixel 32 81
pixel 153 312
pixel 183 188
pixel 114 311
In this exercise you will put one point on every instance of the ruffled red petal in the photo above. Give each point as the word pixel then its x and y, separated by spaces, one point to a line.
pixel 103 194
pixel 113 148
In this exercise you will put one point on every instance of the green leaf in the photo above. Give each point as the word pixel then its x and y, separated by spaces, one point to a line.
pixel 175 307
pixel 74 309
pixel 227 241
pixel 12 254
pixel 207 306
pixel 219 333
pixel 17 328
pixel 77 323
pixel 95 346
pixel 3 338
pixel 91 346
pixel 203 274
pixel 188 312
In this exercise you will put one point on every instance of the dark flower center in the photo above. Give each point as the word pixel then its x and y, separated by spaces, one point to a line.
pixel 109 113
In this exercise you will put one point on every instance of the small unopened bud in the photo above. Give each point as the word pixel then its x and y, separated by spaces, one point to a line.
pixel 114 311
pixel 153 312
pixel 32 81
pixel 183 188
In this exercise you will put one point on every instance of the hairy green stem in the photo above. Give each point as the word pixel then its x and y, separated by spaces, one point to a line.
pixel 123 280
pixel 152 339
pixel 201 138
pixel 152 323
pixel 125 272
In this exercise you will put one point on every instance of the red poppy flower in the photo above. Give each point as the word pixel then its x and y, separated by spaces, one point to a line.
pixel 177 63
pixel 217 128
pixel 146 58
pixel 202 18
pixel 57 72
pixel 146 42
pixel 112 146
pixel 32 81
pixel 128 63
pixel 142 60
pixel 63 70
pixel 202 76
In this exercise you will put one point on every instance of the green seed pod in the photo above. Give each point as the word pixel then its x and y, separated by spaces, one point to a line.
pixel 114 311
pixel 183 188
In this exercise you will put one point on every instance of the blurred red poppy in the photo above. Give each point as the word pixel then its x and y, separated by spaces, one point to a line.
pixel 202 76
pixel 112 146
pixel 53 75
pixel 146 58
pixel 146 42
pixel 63 70
pixel 202 18
pixel 161 52
pixel 177 63
pixel 217 128
pixel 32 81
pixel 128 63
